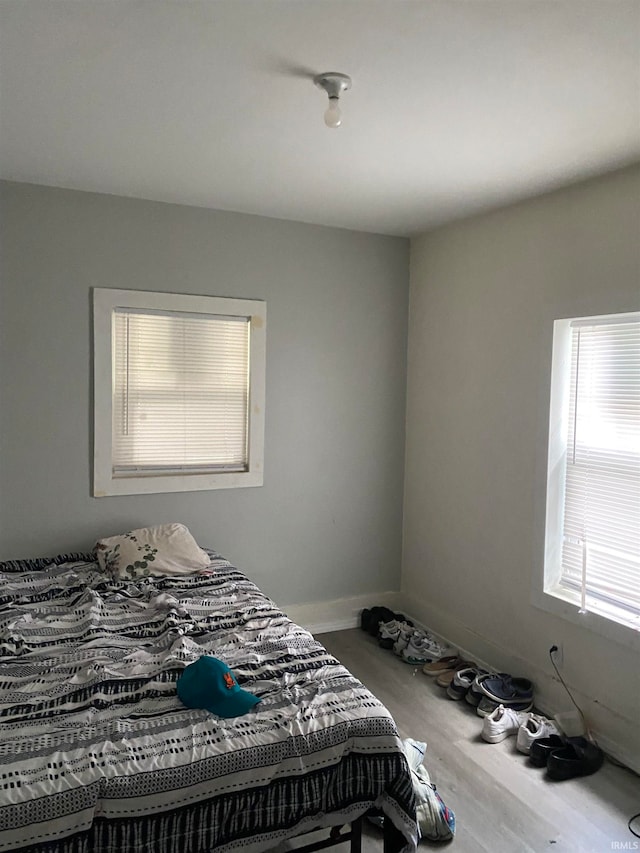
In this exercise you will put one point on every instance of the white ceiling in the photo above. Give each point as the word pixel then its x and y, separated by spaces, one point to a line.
pixel 457 106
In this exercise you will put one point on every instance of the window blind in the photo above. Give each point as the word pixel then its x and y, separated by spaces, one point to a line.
pixel 180 392
pixel 601 543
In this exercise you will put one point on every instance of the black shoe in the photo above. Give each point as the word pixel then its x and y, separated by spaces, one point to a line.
pixel 542 748
pixel 371 618
pixel 365 619
pixel 578 757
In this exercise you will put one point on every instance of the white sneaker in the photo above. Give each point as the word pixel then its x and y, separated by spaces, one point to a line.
pixel 534 727
pixel 403 639
pixel 422 648
pixel 390 630
pixel 501 723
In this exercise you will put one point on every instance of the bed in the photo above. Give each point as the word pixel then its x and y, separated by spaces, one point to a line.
pixel 98 754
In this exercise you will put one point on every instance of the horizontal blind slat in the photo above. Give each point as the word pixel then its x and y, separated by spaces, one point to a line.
pixel 602 486
pixel 180 391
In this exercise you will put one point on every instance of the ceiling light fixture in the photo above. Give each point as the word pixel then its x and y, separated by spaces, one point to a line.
pixel 334 84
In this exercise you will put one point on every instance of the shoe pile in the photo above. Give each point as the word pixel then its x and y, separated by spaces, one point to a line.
pixel 485 691
pixel 539 738
pixel 413 645
pixel 529 727
pixel 394 631
pixel 566 757
pixel 504 701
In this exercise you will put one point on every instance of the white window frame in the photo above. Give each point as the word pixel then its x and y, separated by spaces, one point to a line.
pixel 105 302
pixel 548 592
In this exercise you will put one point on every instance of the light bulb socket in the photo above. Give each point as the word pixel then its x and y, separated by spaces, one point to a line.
pixel 333 82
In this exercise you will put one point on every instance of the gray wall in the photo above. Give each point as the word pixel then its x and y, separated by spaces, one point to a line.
pixel 484 294
pixel 327 522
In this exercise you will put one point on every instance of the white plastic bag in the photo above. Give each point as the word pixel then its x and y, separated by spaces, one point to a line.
pixel 436 821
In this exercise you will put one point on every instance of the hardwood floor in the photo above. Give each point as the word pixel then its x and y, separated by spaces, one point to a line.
pixel 501 803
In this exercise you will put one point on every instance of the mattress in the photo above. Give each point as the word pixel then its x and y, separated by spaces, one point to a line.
pixel 98 754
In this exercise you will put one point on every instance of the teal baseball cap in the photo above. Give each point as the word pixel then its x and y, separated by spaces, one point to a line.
pixel 209 683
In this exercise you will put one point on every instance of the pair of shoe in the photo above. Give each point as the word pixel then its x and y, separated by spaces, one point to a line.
pixel 423 648
pixel 462 681
pixel 500 688
pixel 444 669
pixel 529 727
pixel 475 695
pixel 566 757
pixel 394 631
pixel 486 690
pixel 506 690
pixel 413 645
pixel 442 666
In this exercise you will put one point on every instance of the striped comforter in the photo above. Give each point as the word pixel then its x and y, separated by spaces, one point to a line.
pixel 98 754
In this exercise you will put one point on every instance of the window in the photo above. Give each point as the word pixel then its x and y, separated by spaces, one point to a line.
pixel 179 392
pixel 592 554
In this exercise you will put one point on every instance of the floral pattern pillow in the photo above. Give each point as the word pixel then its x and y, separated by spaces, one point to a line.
pixel 166 549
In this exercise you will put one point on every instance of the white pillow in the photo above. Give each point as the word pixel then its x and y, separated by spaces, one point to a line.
pixel 166 549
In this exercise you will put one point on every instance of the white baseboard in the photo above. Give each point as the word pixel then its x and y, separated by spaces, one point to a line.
pixel 324 616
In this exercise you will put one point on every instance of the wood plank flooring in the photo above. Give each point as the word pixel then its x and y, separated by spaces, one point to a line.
pixel 502 804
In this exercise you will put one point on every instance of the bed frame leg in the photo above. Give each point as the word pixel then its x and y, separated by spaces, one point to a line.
pixel 356 836
pixel 393 839
pixel 353 834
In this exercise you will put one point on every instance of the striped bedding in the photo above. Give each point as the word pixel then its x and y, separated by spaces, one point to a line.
pixel 99 755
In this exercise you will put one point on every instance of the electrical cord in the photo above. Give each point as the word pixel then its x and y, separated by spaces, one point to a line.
pixel 586 728
pixel 622 766
pixel 635 817
pixel 562 681
pixel 617 763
